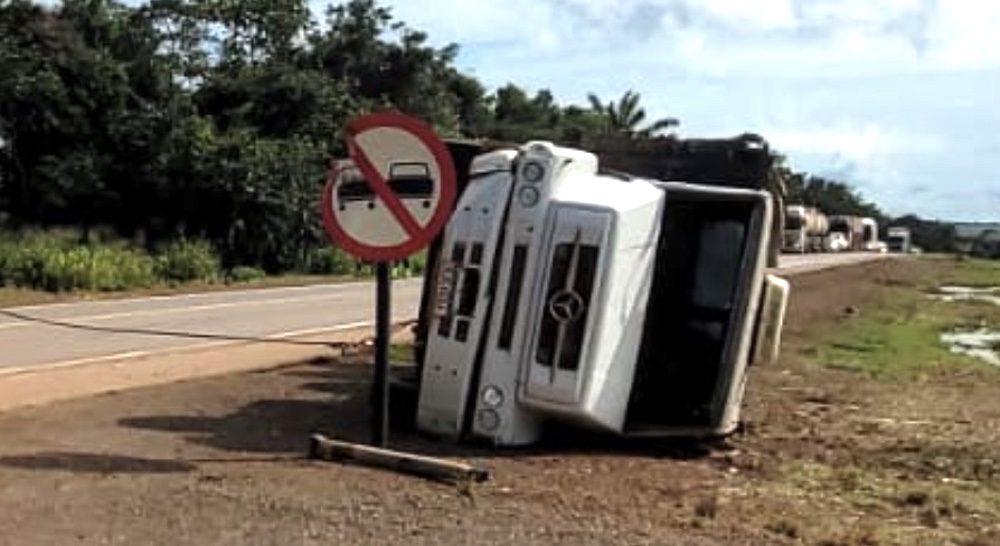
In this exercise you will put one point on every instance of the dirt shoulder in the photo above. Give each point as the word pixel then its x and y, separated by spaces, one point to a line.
pixel 832 456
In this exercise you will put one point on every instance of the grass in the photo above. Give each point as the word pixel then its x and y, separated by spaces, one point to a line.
pixel 401 353
pixel 928 473
pixel 38 267
pixel 917 509
pixel 12 297
pixel 972 272
pixel 899 338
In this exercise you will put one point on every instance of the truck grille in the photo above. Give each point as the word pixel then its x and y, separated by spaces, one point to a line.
pixel 572 272
pixel 513 296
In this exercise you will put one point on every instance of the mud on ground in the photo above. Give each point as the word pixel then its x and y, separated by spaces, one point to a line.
pixel 829 458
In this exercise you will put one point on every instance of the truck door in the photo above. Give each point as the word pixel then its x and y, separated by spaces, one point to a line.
pixel 702 317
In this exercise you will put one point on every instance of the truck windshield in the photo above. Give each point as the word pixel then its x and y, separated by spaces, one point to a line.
pixel 793 222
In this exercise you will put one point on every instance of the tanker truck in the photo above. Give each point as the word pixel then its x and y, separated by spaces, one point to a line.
pixel 869 235
pixel 565 293
pixel 859 232
pixel 806 229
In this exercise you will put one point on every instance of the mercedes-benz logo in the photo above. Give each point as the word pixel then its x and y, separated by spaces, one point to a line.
pixel 566 306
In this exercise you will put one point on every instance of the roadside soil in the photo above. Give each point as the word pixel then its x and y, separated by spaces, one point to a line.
pixel 828 458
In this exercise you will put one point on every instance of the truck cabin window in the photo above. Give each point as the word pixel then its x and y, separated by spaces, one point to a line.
pixel 691 312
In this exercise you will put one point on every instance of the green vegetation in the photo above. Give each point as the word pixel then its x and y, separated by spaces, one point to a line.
pixel 925 504
pixel 57 262
pixel 200 132
pixel 897 340
pixel 401 353
pixel 974 273
pixel 899 337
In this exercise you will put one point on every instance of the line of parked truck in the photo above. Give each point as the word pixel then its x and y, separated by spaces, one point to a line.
pixel 808 229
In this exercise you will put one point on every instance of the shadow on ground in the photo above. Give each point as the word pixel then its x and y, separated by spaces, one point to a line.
pixel 95 463
pixel 274 426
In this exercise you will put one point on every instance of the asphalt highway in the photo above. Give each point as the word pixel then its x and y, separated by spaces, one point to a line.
pixel 66 334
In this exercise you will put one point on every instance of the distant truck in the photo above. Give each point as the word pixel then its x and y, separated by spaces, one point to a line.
pixel 860 233
pixel 898 239
pixel 563 293
pixel 805 230
pixel 837 241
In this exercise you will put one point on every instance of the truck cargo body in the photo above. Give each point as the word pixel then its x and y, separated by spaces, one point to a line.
pixel 852 228
pixel 805 229
pixel 898 239
pixel 869 235
pixel 627 305
pixel 860 232
pixel 743 161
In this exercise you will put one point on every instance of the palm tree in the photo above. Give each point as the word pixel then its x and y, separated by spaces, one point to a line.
pixel 626 116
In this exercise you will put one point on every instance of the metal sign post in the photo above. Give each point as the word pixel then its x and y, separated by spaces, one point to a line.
pixel 388 201
pixel 380 387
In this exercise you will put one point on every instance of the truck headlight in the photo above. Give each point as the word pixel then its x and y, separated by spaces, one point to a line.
pixel 489 420
pixel 527 196
pixel 533 171
pixel 492 396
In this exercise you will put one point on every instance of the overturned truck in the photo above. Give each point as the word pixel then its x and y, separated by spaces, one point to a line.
pixel 565 292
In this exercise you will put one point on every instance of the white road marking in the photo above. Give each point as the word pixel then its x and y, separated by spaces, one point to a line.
pixel 262 291
pixel 128 314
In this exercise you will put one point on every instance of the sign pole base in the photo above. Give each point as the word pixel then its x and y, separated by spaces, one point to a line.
pixel 380 385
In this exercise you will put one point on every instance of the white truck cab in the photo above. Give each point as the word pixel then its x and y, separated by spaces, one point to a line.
pixel 618 303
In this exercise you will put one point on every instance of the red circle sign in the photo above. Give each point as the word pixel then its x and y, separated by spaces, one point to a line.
pixel 396 192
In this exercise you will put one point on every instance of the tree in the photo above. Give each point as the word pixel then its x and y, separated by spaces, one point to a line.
pixel 217 118
pixel 626 116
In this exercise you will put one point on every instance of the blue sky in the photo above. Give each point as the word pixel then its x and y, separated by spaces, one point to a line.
pixel 896 97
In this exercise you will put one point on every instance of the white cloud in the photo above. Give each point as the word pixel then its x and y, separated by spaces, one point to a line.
pixel 892 95
pixel 854 141
pixel 466 21
pixel 776 35
pixel 870 155
pixel 764 15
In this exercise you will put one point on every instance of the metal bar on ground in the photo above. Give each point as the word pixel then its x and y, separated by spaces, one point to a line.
pixel 380 384
pixel 321 447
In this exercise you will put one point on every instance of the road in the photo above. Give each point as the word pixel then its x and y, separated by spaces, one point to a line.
pixel 795 263
pixel 69 333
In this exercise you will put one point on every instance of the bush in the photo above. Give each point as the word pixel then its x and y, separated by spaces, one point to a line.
pixel 331 261
pixel 55 263
pixel 187 261
pixel 418 263
pixel 246 274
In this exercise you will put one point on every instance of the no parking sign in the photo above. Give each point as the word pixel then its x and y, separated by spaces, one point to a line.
pixel 394 194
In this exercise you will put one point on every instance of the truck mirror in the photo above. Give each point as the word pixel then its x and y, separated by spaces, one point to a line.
pixel 773 305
